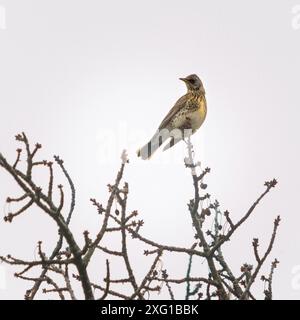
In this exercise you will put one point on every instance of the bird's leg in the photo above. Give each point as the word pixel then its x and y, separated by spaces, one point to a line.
pixel 187 130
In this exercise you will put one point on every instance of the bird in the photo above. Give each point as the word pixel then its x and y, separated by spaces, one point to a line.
pixel 183 120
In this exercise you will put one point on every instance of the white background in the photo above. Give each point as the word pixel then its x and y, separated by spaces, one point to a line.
pixel 90 78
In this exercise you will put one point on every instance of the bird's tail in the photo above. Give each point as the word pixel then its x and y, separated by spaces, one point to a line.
pixel 155 142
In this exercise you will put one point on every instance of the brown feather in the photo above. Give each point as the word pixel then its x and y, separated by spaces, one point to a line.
pixel 178 106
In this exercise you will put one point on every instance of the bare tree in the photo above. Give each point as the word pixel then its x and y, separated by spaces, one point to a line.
pixel 219 283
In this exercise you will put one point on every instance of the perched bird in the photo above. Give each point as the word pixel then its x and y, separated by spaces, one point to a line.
pixel 186 116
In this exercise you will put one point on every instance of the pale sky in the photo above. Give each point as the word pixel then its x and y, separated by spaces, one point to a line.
pixel 88 79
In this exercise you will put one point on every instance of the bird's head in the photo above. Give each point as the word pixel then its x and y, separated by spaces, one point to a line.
pixel 193 83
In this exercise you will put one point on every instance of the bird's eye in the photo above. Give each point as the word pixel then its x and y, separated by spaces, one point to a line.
pixel 192 81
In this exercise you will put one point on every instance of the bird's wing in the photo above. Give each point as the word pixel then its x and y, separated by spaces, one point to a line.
pixel 178 105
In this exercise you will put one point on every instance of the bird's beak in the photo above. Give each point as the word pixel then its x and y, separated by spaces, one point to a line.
pixel 183 79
